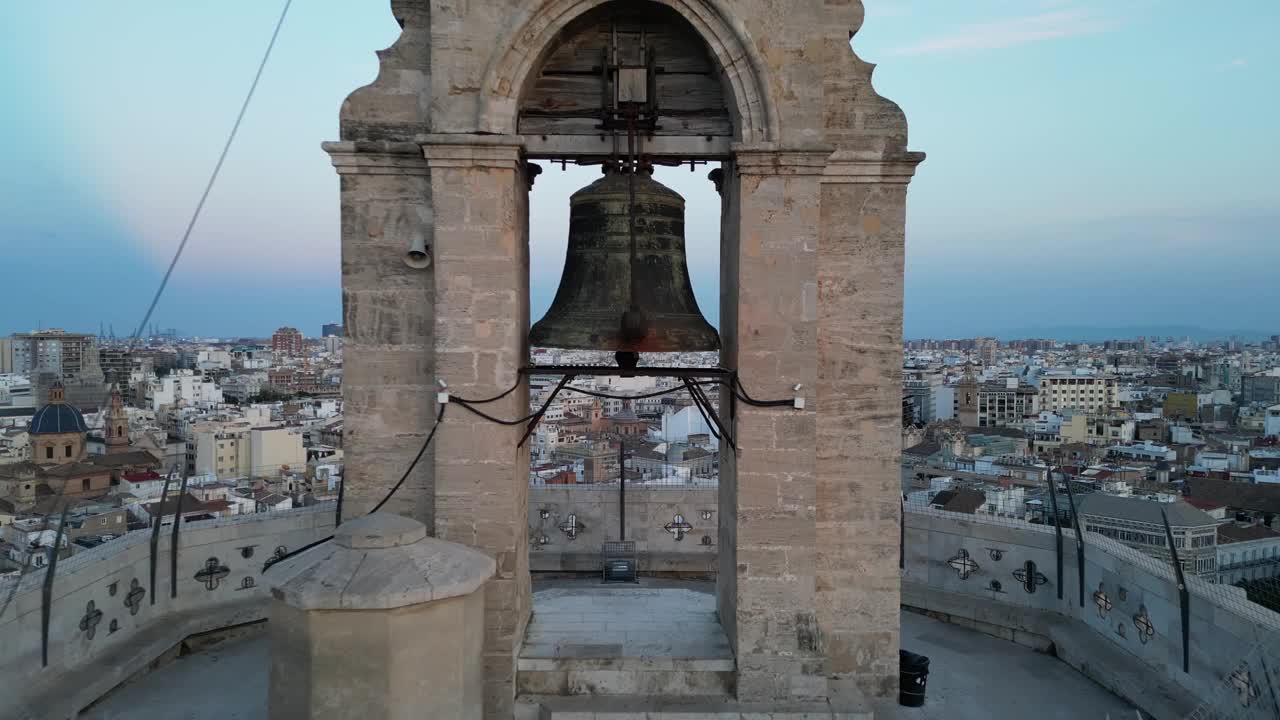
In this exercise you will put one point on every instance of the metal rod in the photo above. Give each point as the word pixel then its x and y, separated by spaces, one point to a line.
pixel 1184 600
pixel 46 590
pixel 1057 526
pixel 622 489
pixel 173 542
pixel 902 534
pixel 537 417
pixel 1266 673
pixel 1075 522
pixel 631 208
pixel 337 512
pixel 155 532
pixel 701 410
pixel 615 371
pixel 694 389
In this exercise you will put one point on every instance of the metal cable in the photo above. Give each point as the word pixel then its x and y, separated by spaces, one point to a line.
pixel 491 418
pixel 416 458
pixel 495 398
pixel 213 177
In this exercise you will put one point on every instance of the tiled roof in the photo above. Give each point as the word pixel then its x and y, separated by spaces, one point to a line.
pixel 1145 511
pixel 962 501
pixel 926 448
pixel 1261 498
pixel 1231 532
pixel 57 418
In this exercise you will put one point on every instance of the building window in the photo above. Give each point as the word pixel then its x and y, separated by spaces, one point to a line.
pixel 67 451
pixel 84 484
pixel 48 453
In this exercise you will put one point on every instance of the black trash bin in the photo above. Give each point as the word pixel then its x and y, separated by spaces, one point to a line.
pixel 913 673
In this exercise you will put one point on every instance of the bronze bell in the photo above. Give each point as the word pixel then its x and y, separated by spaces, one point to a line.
pixel 607 300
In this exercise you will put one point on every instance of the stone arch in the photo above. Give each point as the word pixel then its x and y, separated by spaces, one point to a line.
pixel 535 29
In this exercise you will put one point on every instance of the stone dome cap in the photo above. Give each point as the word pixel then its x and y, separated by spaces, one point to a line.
pixel 381 562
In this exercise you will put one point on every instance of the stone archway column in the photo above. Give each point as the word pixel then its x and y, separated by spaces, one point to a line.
pixel 859 418
pixel 480 193
pixel 771 201
pixel 388 364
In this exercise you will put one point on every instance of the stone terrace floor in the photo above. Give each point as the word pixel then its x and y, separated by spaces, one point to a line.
pixel 578 619
pixel 972 676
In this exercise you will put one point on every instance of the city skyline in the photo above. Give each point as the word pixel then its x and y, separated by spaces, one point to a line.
pixel 1042 204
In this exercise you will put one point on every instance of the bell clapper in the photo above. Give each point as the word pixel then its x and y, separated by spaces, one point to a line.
pixel 627 360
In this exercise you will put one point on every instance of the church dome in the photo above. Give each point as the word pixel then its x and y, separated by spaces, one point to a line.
pixel 57 417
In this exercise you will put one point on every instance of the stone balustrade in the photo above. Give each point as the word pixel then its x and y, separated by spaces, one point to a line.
pixel 1000 576
pixel 106 624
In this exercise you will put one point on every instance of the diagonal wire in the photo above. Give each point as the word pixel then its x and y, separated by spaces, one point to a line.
pixel 213 177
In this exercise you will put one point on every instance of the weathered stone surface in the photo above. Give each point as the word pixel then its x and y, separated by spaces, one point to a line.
pixel 811 245
pixel 381 561
pixel 348 624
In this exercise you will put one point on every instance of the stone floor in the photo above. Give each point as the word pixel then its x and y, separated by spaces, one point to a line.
pixel 972 676
pixel 224 682
pixel 653 620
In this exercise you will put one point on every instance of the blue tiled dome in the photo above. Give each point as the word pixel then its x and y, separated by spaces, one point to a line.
pixel 57 418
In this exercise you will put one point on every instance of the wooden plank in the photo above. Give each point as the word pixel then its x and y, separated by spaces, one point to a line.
pixel 582 93
pixel 675 48
pixel 675 146
pixel 696 125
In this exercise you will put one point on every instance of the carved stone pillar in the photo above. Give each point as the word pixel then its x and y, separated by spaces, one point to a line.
pixel 388 353
pixel 859 415
pixel 479 190
pixel 770 324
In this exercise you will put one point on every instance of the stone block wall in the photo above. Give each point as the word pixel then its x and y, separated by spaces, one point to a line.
pixel 103 626
pixel 1000 576
pixel 811 246
pixel 650 510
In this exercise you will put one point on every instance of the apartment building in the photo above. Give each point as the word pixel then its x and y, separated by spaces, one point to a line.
pixel 1139 524
pixel 240 449
pixel 993 404
pixel 1085 393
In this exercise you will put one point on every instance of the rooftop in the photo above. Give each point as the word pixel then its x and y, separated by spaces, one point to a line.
pixel 1145 511
pixel 961 662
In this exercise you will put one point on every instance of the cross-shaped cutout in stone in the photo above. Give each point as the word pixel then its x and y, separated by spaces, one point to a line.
pixel 246 551
pixel 1122 629
pixel 212 573
pixel 1142 621
pixel 89 623
pixel 1030 577
pixel 571 526
pixel 996 554
pixel 281 552
pixel 1102 601
pixel 963 564
pixel 678 527
pixel 247 583
pixel 133 600
pixel 1242 681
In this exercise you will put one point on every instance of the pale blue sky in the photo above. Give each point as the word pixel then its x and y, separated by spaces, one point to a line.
pixel 1104 162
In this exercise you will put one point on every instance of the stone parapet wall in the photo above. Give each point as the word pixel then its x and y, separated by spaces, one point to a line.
pixel 662 545
pixel 1000 576
pixel 103 625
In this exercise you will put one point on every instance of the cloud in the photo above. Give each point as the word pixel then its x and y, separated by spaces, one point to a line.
pixel 1236 63
pixel 997 34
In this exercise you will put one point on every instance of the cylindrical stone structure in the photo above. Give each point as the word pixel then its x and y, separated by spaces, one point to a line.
pixel 382 623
